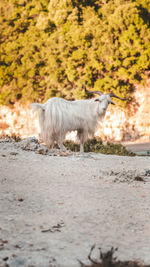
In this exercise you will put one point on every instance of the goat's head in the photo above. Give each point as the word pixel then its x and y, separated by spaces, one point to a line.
pixel 104 99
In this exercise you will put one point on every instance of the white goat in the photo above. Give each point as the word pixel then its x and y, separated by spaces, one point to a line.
pixel 58 116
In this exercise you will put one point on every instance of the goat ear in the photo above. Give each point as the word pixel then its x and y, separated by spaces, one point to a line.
pixel 97 100
pixel 111 102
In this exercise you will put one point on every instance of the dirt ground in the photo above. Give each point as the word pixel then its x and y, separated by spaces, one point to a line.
pixel 55 206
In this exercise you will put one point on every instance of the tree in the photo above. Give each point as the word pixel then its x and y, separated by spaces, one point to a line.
pixel 50 48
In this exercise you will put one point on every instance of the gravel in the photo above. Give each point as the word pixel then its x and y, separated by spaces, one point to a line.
pixel 54 206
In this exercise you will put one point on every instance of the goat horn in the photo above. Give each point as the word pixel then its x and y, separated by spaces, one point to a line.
pixel 92 92
pixel 113 95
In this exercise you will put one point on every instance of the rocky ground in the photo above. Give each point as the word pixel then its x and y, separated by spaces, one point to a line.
pixel 54 206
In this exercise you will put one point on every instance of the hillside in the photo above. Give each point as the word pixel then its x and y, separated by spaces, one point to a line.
pixel 50 48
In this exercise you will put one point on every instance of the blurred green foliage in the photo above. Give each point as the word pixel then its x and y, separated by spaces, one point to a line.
pixel 96 145
pixel 51 47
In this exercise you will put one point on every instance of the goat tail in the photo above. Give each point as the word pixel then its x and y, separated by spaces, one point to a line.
pixel 41 111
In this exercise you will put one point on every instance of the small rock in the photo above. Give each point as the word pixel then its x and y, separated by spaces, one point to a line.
pixel 147 173
pixel 64 154
pixel 6 140
pixel 139 178
pixel 17 246
pixel 42 151
pixel 4 241
pixel 14 153
pixel 5 258
pixel 14 255
pixel 30 143
pixel 20 199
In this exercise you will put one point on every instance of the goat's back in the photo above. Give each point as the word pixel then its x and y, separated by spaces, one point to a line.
pixel 62 115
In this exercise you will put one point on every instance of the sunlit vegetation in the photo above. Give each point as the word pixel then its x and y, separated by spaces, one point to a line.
pixel 97 146
pixel 50 48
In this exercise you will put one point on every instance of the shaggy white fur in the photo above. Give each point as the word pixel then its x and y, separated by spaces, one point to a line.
pixel 58 116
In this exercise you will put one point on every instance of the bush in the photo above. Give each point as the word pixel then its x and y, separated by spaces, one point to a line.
pixel 96 145
pixel 53 47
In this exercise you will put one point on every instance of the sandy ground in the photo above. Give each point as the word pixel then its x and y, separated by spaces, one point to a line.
pixel 54 207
